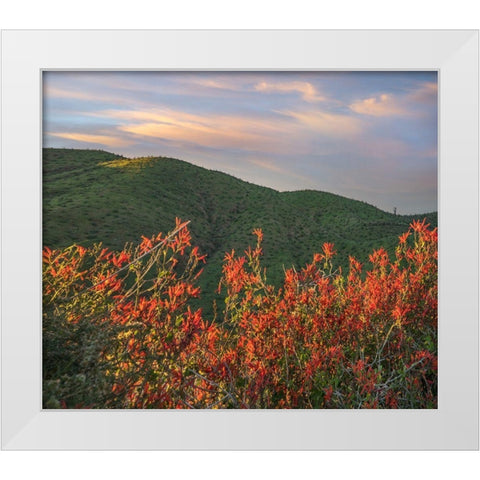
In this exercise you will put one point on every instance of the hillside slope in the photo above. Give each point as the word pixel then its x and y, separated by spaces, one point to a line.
pixel 94 196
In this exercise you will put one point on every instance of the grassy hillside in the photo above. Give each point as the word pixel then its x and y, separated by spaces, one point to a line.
pixel 94 196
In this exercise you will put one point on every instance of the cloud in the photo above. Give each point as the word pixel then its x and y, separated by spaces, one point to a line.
pixel 384 105
pixel 275 133
pixel 88 96
pixel 426 93
pixel 306 89
pixel 107 140
pixel 230 83
pixel 412 103
pixel 204 135
pixel 289 170
pixel 331 124
pixel 270 134
pixel 387 150
pixel 54 92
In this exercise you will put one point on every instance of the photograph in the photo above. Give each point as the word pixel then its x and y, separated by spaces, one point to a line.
pixel 239 239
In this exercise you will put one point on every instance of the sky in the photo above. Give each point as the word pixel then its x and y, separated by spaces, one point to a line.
pixel 370 136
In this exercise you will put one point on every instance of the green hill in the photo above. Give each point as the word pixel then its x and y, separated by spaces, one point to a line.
pixel 94 196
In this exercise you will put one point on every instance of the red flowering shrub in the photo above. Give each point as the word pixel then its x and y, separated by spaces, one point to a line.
pixel 120 324
pixel 326 341
pixel 119 331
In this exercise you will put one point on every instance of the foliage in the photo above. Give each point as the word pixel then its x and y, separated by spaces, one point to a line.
pixel 119 330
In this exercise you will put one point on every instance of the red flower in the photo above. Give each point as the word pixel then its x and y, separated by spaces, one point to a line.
pixel 328 250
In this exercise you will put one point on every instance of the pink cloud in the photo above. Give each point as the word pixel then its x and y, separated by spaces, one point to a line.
pixel 107 140
pixel 306 89
pixel 87 95
pixel 425 93
pixel 331 124
pixel 275 167
pixel 266 134
pixel 384 105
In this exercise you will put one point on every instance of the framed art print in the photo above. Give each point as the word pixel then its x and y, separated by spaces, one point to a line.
pixel 246 240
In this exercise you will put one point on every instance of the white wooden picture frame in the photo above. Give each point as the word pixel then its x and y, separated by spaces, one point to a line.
pixel 454 425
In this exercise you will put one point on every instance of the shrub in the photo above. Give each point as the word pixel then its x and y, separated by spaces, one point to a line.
pixel 119 330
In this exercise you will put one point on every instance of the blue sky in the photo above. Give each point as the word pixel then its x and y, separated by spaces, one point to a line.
pixel 370 136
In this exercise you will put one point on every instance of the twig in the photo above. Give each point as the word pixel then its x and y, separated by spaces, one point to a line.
pixel 211 382
pixel 163 242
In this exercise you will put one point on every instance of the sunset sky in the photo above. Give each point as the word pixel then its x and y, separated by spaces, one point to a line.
pixel 370 136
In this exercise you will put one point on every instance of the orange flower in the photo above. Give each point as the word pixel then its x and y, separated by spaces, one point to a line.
pixel 328 250
pixel 403 238
pixel 258 232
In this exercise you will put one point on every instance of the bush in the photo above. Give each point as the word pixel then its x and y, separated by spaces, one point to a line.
pixel 119 331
